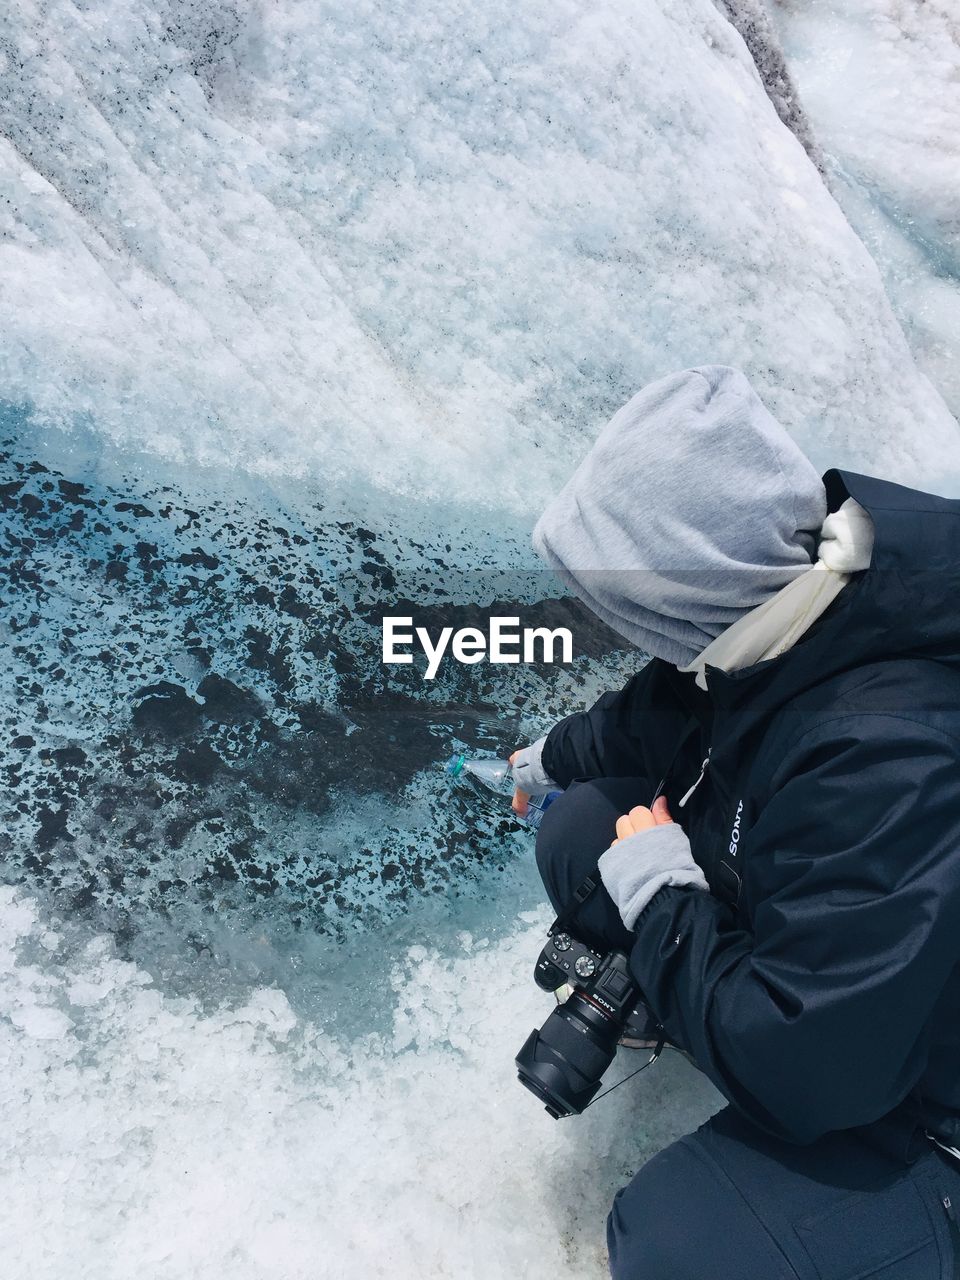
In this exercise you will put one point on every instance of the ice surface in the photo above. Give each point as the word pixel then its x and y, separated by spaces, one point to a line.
pixel 142 1135
pixel 881 81
pixel 411 257
pixel 432 245
pixel 199 720
pixel 752 19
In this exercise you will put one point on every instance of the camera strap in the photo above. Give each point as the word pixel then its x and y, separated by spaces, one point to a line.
pixel 589 884
pixel 581 894
pixel 649 1063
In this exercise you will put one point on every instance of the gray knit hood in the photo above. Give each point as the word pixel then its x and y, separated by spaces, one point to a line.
pixel 692 507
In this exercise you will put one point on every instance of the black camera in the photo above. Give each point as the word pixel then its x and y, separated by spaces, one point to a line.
pixel 563 1062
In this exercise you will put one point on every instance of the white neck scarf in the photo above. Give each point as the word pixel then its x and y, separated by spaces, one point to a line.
pixel 845 546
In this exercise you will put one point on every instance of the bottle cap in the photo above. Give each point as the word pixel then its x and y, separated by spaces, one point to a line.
pixel 455 765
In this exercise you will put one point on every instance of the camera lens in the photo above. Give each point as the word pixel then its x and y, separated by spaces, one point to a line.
pixel 563 1062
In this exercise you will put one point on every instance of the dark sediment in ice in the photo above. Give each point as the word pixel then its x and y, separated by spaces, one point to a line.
pixel 751 19
pixel 197 707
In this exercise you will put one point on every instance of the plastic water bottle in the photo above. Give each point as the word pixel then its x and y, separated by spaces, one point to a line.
pixel 497 776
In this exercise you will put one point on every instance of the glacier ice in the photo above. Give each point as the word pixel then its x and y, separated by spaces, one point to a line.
pixel 882 83
pixel 142 1131
pixel 426 245
pixel 304 310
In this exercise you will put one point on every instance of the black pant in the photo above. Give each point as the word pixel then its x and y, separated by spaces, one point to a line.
pixel 728 1202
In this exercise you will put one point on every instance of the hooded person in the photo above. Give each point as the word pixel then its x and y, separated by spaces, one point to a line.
pixel 687 521
pixel 791 909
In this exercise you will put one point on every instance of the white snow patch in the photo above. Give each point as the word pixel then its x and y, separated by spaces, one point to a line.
pixel 432 245
pixel 880 80
pixel 144 1136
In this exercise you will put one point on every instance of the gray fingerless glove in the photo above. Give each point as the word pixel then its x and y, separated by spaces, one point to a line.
pixel 634 869
pixel 528 771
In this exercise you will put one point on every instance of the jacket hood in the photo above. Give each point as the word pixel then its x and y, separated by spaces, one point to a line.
pixel 692 507
pixel 905 604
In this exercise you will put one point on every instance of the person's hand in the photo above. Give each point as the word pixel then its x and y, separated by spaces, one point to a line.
pixel 641 818
pixel 634 869
pixel 520 798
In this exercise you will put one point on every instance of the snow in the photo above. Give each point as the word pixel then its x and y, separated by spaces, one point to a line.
pixel 146 1134
pixel 881 82
pixel 425 244
pixel 408 258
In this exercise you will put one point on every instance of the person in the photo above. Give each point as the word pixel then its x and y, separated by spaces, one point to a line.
pixel 790 903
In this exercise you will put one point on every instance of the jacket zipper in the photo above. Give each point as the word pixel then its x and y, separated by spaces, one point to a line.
pixel 954 1233
pixel 688 728
pixel 703 769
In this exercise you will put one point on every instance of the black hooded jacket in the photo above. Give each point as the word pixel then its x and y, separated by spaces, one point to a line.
pixel 818 984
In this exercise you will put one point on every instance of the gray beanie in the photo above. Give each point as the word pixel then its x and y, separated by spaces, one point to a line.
pixel 692 507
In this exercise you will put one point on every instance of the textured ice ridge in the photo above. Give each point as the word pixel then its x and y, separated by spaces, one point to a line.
pixel 432 246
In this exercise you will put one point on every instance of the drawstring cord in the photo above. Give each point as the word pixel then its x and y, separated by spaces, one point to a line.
pixel 703 769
